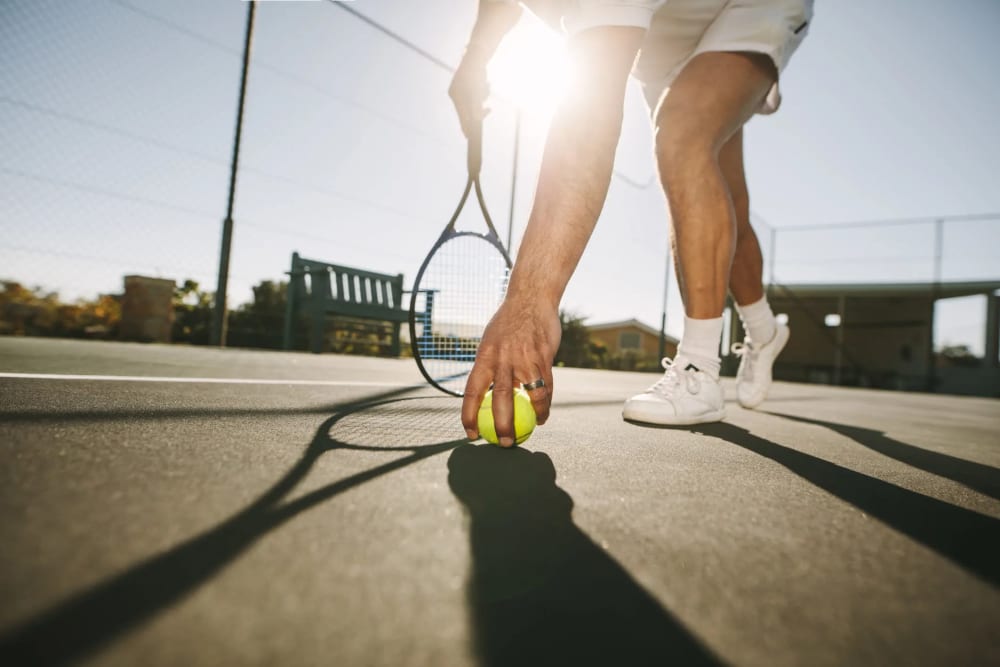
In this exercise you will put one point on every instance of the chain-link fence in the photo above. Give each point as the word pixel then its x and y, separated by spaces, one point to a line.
pixel 117 120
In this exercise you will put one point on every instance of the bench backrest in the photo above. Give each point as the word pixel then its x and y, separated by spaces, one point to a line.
pixel 344 288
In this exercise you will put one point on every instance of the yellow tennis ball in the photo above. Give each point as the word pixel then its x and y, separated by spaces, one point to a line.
pixel 524 418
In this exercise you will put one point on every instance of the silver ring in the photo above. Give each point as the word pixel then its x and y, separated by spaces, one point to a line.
pixel 528 386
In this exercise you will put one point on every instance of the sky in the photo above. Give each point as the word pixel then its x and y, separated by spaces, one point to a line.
pixel 117 121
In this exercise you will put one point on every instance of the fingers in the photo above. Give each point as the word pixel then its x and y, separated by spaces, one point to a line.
pixel 503 383
pixel 514 350
pixel 503 406
pixel 475 388
pixel 541 397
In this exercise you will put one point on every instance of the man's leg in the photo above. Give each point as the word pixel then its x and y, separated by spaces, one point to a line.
pixel 746 276
pixel 706 107
pixel 766 338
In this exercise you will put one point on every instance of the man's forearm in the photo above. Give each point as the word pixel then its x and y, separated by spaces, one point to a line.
pixel 574 179
pixel 494 20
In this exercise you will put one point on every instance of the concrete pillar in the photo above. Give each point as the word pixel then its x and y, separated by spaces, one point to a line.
pixel 147 309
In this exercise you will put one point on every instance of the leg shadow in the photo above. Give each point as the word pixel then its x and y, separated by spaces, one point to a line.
pixel 92 619
pixel 967 538
pixel 541 592
pixel 977 476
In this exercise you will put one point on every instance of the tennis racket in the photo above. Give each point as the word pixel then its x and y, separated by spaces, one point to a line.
pixel 458 289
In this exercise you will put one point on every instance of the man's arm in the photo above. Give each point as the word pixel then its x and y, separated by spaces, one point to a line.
pixel 469 87
pixel 521 341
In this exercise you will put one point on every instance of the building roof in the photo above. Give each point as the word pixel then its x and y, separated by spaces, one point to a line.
pixel 942 290
pixel 627 324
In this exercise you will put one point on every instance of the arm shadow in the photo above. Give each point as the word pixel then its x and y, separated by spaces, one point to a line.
pixel 90 620
pixel 977 476
pixel 540 591
pixel 969 539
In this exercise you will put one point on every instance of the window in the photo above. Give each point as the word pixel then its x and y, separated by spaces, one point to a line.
pixel 628 340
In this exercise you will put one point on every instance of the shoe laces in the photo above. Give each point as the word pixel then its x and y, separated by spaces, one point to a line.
pixel 748 355
pixel 673 377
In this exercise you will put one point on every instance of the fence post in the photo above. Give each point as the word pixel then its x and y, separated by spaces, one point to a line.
pixel 935 292
pixel 219 323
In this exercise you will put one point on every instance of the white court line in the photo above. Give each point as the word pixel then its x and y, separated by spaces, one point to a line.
pixel 197 380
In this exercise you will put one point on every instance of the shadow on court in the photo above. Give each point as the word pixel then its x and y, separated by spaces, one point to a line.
pixel 92 619
pixel 969 539
pixel 977 476
pixel 540 591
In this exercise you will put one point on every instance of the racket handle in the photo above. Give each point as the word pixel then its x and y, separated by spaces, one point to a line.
pixel 475 149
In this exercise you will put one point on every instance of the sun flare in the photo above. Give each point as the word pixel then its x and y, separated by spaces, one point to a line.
pixel 530 68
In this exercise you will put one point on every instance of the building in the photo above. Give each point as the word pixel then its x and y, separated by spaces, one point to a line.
pixel 879 335
pixel 631 345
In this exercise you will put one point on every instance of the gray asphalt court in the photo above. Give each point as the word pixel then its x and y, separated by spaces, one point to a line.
pixel 168 505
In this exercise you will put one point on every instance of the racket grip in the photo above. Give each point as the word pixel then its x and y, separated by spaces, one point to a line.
pixel 475 150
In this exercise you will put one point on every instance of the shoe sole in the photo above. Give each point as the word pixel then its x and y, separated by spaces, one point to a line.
pixel 760 398
pixel 640 417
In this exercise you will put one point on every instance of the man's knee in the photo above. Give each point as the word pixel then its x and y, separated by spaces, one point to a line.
pixel 708 103
pixel 683 135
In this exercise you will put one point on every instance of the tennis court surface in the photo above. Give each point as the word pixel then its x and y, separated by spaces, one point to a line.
pixel 327 510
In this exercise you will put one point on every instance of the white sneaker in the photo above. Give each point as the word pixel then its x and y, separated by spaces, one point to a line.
pixel 753 379
pixel 682 397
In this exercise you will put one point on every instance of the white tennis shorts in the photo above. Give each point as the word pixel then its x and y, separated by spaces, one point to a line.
pixel 678 30
pixel 681 29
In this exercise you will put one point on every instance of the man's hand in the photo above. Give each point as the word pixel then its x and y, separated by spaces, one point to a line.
pixel 517 347
pixel 470 88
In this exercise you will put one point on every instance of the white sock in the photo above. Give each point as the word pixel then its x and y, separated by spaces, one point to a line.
pixel 758 320
pixel 700 344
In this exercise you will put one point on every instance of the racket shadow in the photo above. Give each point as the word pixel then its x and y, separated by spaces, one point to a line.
pixel 540 591
pixel 92 619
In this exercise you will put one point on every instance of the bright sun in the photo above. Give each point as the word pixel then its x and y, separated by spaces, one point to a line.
pixel 530 68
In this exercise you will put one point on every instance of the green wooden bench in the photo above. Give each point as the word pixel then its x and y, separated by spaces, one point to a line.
pixel 318 289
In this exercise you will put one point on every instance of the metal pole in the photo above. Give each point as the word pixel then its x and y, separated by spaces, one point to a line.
pixel 772 244
pixel 666 291
pixel 838 354
pixel 513 177
pixel 935 291
pixel 219 323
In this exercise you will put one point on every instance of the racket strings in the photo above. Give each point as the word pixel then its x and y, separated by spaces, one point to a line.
pixel 462 286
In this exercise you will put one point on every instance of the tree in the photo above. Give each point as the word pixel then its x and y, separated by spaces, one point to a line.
pixel 959 355
pixel 575 349
pixel 261 322
pixel 192 314
pixel 33 312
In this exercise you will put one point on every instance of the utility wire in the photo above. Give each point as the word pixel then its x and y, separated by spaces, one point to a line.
pixel 451 69
pixel 90 189
pixel 86 122
pixel 106 259
pixel 279 71
pixel 95 125
pixel 394 35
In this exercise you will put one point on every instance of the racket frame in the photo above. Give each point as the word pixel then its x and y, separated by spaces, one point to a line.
pixel 449 233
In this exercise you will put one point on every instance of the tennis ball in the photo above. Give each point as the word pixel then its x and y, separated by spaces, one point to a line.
pixel 524 417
